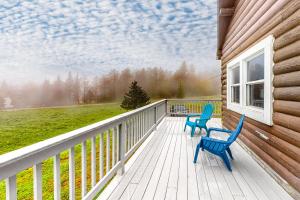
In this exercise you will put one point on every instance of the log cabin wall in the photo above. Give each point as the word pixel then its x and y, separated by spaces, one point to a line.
pixel 252 21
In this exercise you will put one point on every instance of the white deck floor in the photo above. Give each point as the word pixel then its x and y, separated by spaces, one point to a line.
pixel 163 168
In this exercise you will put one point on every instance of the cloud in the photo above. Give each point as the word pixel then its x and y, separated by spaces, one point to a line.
pixel 44 38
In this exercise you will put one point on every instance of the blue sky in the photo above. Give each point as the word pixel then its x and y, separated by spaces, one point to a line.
pixel 44 38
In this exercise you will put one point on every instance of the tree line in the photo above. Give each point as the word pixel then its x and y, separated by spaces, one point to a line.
pixel 73 90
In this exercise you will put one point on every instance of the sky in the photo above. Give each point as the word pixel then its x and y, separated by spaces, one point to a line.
pixel 40 39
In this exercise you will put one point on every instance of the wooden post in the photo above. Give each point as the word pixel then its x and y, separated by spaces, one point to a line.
pixel 122 143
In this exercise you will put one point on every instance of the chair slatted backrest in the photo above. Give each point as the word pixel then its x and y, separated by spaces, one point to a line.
pixel 208 110
pixel 237 131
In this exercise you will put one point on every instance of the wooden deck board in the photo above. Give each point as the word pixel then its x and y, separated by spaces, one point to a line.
pixel 165 170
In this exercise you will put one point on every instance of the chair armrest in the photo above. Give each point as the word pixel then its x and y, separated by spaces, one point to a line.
pixel 193 115
pixel 218 130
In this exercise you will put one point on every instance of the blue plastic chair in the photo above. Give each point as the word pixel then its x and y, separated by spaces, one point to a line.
pixel 220 147
pixel 208 110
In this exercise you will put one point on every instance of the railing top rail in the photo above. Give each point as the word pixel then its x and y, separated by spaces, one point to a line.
pixel 194 99
pixel 50 144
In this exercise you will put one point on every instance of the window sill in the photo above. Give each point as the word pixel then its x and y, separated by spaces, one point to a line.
pixel 257 114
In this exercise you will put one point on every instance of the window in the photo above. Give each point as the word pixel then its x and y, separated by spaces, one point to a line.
pixel 249 82
pixel 255 81
pixel 235 86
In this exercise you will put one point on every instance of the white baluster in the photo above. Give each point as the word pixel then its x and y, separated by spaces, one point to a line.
pixel 113 146
pixel 83 169
pixel 93 161
pixel 118 143
pixel 107 151
pixel 11 188
pixel 72 174
pixel 101 155
pixel 37 181
pixel 56 173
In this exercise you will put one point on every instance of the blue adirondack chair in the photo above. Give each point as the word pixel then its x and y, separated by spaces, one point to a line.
pixel 220 147
pixel 208 110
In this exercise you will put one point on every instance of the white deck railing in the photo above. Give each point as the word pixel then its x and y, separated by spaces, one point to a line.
pixel 119 137
pixel 182 107
pixel 127 132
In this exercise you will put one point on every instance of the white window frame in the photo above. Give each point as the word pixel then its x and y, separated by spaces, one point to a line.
pixel 263 115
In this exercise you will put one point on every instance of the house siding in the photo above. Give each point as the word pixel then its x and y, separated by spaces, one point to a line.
pixel 280 149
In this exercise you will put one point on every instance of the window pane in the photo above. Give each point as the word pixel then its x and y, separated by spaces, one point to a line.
pixel 235 94
pixel 255 68
pixel 235 75
pixel 255 95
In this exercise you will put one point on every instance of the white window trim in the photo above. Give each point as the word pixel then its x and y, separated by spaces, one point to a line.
pixel 263 115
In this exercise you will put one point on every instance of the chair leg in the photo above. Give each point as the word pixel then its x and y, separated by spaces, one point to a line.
pixel 206 129
pixel 226 161
pixel 229 152
pixel 201 145
pixel 193 131
pixel 196 153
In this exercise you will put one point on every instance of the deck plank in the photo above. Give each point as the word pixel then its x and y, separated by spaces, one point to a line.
pixel 143 183
pixel 156 141
pixel 165 170
pixel 182 180
pixel 154 179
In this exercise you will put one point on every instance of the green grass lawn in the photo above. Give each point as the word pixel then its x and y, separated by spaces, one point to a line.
pixel 24 127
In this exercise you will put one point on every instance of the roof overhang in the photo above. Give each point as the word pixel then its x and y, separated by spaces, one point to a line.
pixel 225 13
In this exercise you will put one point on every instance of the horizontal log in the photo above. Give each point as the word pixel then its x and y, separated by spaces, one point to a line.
pixel 287 38
pixel 291 19
pixel 245 18
pixel 277 167
pixel 263 16
pixel 239 9
pixel 290 164
pixel 287 80
pixel 283 146
pixel 224 93
pixel 287 66
pixel 280 23
pixel 287 52
pixel 286 134
pixel 287 94
pixel 287 121
pixel 224 81
pixel 287 107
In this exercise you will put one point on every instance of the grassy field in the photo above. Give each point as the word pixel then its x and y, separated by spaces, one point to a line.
pixel 24 127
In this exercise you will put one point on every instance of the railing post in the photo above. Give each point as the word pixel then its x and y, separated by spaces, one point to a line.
pixel 122 143
pixel 155 116
pixel 166 107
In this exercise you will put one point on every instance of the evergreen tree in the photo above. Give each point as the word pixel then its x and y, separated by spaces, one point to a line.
pixel 135 98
